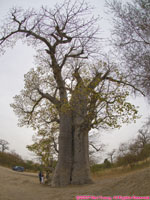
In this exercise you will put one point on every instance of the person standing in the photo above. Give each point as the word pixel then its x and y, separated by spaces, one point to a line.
pixel 40 177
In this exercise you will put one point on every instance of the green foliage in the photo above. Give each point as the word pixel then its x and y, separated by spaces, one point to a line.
pixel 45 147
pixel 97 167
pixel 10 159
pixel 145 152
pixel 100 167
pixel 31 166
pixel 107 163
pixel 127 159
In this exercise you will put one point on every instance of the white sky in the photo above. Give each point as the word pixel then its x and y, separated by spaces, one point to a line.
pixel 17 61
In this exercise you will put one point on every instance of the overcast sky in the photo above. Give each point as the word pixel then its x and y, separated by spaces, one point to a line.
pixel 17 61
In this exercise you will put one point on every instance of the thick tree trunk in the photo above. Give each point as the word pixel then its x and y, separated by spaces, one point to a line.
pixel 62 173
pixel 80 166
pixel 73 160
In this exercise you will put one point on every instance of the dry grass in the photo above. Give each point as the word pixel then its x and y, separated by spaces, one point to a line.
pixel 25 186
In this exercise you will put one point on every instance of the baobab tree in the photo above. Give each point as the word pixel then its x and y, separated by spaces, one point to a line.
pixel 70 87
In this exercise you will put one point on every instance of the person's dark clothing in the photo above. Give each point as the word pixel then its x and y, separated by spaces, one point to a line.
pixel 40 176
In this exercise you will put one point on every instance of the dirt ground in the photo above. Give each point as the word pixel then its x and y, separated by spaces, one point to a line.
pixel 25 186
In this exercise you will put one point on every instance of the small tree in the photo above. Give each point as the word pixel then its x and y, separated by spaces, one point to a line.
pixel 4 145
pixel 143 137
pixel 107 163
pixel 111 155
pixel 96 148
pixel 123 149
pixel 45 148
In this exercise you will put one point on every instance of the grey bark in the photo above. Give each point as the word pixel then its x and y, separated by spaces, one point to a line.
pixel 62 172
pixel 73 161
pixel 81 167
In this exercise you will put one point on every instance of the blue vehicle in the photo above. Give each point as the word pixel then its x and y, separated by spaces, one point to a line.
pixel 18 168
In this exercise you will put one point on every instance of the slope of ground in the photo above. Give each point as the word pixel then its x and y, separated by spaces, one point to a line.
pixel 25 186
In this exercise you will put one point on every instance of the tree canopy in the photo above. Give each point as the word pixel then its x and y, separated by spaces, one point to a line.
pixel 73 89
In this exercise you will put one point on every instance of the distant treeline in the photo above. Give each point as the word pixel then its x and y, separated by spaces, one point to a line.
pixel 130 154
pixel 10 159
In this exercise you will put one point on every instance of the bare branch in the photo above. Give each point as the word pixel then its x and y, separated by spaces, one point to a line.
pixel 97 149
pixel 49 97
pixel 124 83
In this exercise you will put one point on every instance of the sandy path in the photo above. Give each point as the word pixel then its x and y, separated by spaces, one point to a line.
pixel 25 186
